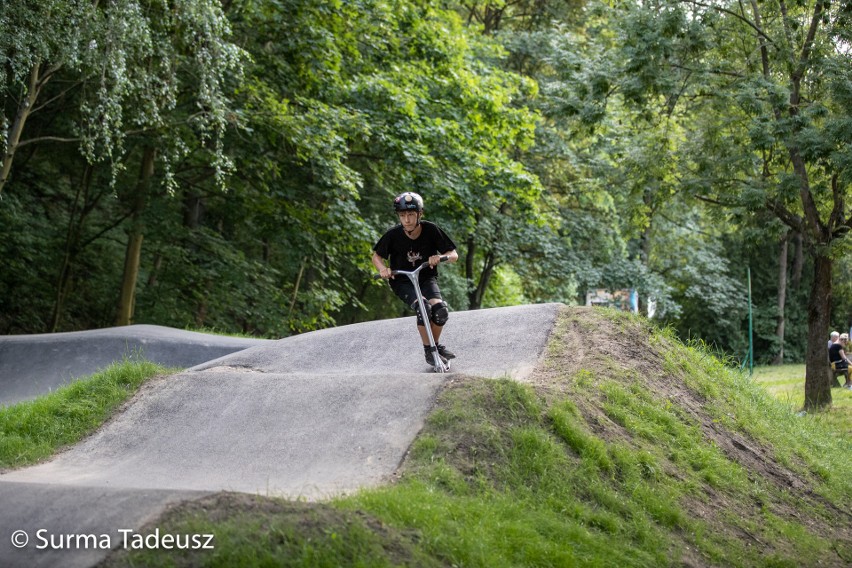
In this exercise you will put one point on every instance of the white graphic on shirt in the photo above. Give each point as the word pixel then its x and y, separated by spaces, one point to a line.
pixel 413 257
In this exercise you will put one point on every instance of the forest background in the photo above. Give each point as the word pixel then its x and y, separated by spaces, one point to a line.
pixel 228 165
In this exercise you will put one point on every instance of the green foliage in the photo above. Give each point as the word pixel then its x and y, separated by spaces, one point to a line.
pixel 623 85
pixel 340 108
pixel 127 64
pixel 347 108
pixel 25 249
pixel 563 147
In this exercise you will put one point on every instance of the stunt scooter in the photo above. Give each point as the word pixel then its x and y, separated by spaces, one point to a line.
pixel 440 366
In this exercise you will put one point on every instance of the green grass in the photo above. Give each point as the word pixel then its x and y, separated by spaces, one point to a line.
pixel 787 384
pixel 684 461
pixel 33 430
pixel 266 532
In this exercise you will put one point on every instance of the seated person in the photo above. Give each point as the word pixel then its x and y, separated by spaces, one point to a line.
pixel 835 335
pixel 839 360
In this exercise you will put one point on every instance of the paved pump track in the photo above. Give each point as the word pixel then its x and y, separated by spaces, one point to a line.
pixel 32 365
pixel 310 416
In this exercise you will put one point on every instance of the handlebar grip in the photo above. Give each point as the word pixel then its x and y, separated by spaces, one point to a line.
pixel 445 258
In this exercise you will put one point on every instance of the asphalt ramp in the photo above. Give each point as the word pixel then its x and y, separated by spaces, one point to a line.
pixel 33 365
pixel 311 416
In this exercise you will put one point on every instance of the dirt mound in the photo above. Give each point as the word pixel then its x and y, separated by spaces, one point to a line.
pixel 592 349
pixel 621 348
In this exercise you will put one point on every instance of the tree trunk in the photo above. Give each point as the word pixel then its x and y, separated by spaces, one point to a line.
pixel 155 270
pixel 25 108
pixel 782 299
pixel 296 287
pixel 80 209
pixel 798 259
pixel 132 258
pixel 468 266
pixel 133 255
pixel 476 295
pixel 817 386
pixel 192 210
pixel 61 293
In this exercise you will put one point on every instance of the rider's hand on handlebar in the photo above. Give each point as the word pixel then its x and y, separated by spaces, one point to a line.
pixel 386 273
pixel 434 260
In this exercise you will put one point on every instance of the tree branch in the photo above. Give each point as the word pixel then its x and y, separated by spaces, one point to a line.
pixel 838 224
pixel 786 216
pixel 13 137
pixel 719 202
pixel 59 96
pixel 732 13
pixel 47 139
pixel 804 57
pixel 106 229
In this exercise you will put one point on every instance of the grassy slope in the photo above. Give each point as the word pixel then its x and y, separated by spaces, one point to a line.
pixel 37 429
pixel 626 448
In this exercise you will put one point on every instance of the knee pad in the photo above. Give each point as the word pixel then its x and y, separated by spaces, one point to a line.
pixel 416 307
pixel 440 313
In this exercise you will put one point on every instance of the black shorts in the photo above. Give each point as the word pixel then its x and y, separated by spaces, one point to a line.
pixel 404 289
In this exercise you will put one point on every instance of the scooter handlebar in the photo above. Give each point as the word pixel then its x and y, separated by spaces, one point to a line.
pixel 444 258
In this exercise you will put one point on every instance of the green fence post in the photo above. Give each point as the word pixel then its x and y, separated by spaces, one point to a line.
pixel 750 328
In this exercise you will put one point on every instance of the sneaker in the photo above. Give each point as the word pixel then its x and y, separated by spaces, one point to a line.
pixel 429 358
pixel 445 353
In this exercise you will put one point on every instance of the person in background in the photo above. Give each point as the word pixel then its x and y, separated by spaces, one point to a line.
pixel 834 337
pixel 839 360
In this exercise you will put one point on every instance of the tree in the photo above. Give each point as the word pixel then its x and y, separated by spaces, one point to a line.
pixel 122 69
pixel 599 160
pixel 120 57
pixel 767 89
pixel 353 103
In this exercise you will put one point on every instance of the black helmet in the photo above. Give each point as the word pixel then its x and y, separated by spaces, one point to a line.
pixel 408 201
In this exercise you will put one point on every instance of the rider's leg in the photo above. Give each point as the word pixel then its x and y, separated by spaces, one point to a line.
pixel 421 329
pixel 424 337
pixel 436 332
pixel 440 314
pixel 436 329
pixel 404 289
pixel 432 296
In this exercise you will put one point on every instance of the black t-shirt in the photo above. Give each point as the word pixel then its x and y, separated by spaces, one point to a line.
pixel 834 355
pixel 407 254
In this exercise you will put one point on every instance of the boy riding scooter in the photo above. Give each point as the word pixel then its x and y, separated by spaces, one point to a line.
pixel 406 246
